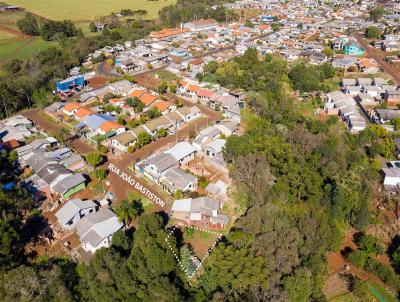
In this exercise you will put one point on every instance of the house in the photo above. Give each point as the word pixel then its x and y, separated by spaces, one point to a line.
pixel 137 93
pixel 353 49
pixel 175 179
pixel 40 143
pixel 70 185
pixel 156 124
pixel 201 24
pixel 54 109
pixel 95 230
pixel 217 190
pixel 206 135
pixel 156 166
pixel 392 96
pixel 183 152
pixel 214 148
pixel 94 122
pixel 109 126
pixel 391 178
pixel 70 83
pixel 123 140
pixel 73 163
pixel 147 99
pixel 189 113
pixel 82 113
pixel 365 99
pixel 344 63
pixel 372 90
pixel 71 108
pixel 364 82
pixel 9 133
pixel 228 127
pixel 74 210
pixel 163 107
pixel 200 212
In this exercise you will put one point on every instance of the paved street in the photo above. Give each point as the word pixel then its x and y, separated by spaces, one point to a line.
pixel 372 53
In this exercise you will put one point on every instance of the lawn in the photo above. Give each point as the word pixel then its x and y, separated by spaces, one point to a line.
pixel 89 9
pixel 200 241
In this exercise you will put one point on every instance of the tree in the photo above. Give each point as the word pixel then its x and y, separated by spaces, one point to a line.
pixel 29 25
pixel 328 52
pixel 128 210
pixel 373 32
pixel 143 138
pixel 299 285
pixel 100 173
pixel 92 27
pixel 376 13
pixel 161 132
pixel 94 159
pixel 178 194
pixel 235 270
pixel 162 88
pixel 38 283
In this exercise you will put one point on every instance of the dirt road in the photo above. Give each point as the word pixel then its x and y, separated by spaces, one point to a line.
pixel 372 53
pixel 119 186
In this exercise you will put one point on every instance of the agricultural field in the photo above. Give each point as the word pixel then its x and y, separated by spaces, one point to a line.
pixel 76 10
pixel 15 44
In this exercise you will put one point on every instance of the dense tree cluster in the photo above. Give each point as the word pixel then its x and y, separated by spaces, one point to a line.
pixel 187 10
pixel 49 30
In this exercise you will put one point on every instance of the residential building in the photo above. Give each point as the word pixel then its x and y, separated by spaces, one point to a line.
pixel 200 212
pixel 97 229
pixel 74 210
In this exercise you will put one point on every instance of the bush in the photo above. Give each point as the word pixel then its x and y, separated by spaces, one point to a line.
pixel 102 149
pixel 131 149
pixel 100 173
pixel 384 272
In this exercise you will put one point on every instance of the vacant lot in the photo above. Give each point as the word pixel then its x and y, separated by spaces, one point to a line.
pixel 77 10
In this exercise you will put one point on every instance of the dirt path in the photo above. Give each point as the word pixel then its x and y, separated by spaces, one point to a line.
pixel 372 53
pixel 13 32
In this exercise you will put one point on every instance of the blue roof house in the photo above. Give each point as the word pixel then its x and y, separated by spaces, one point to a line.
pixel 67 84
pixel 94 121
pixel 353 49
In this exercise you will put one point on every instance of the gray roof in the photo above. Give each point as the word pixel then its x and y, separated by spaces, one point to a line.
pixel 56 106
pixel 71 208
pixel 69 182
pixel 162 161
pixel 216 145
pixel 93 228
pixel 68 161
pixel 178 179
pixel 181 150
pixel 49 173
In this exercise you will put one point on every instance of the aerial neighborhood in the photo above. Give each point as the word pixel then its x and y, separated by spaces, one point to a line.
pixel 219 125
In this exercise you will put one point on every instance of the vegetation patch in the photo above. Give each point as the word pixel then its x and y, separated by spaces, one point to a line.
pixel 73 9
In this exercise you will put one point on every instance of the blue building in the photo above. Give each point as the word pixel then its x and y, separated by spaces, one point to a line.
pixel 71 83
pixel 353 49
pixel 268 18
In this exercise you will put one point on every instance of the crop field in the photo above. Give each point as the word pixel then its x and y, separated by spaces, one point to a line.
pixel 15 44
pixel 84 10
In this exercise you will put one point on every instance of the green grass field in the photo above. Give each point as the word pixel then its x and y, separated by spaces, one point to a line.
pixel 22 49
pixel 76 10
